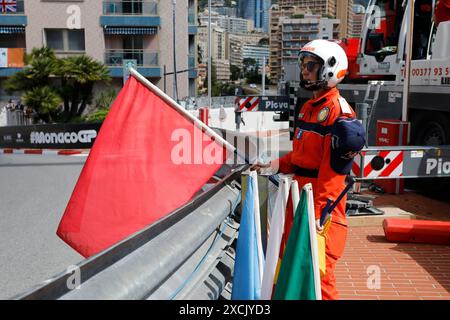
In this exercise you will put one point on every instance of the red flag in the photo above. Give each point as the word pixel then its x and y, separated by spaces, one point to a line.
pixel 148 160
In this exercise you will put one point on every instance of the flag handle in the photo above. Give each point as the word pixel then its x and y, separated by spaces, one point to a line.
pixel 330 206
pixel 180 109
pixel 196 121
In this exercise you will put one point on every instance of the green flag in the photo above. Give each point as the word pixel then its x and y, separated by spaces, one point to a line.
pixel 296 278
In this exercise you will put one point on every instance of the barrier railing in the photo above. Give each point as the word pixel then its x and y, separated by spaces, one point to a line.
pixel 119 7
pixel 144 58
pixel 143 265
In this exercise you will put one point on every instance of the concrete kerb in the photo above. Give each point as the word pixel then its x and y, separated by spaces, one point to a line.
pixel 371 221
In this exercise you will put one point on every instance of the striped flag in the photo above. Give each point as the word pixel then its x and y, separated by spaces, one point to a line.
pixel 274 240
pixel 299 277
pixel 248 266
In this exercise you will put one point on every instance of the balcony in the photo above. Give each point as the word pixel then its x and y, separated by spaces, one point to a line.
pixel 14 14
pixel 147 61
pixel 124 31
pixel 130 13
pixel 192 23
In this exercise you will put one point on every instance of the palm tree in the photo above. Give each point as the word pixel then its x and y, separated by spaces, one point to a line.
pixel 40 65
pixel 78 76
pixel 44 101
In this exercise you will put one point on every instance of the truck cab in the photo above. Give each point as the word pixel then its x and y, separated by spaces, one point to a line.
pixel 384 40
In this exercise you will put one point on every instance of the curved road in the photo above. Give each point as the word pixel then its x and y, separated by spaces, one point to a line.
pixel 34 191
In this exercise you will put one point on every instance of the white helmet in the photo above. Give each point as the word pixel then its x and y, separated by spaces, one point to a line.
pixel 334 63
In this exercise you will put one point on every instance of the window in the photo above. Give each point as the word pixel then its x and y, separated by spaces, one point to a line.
pixel 132 7
pixel 65 39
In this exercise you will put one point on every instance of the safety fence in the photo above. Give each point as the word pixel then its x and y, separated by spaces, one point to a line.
pixel 216 102
pixel 186 255
pixel 14 117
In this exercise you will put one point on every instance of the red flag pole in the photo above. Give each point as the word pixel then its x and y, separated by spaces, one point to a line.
pixel 180 109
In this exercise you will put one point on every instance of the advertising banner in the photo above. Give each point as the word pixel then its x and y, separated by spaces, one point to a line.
pixel 54 136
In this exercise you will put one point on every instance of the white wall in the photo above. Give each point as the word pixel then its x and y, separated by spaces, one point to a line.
pixel 254 121
pixel 3 121
pixel 53 14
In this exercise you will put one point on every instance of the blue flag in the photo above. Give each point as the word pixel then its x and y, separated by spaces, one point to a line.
pixel 247 273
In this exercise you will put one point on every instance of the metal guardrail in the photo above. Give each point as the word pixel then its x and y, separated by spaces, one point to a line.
pixel 143 265
pixel 119 7
pixel 186 255
pixel 144 58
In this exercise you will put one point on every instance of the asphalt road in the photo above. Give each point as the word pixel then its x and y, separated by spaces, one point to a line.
pixel 34 191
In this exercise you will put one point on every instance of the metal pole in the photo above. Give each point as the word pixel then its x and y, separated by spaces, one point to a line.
pixel 237 120
pixel 175 83
pixel 264 77
pixel 362 109
pixel 174 104
pixel 409 43
pixel 165 91
pixel 209 54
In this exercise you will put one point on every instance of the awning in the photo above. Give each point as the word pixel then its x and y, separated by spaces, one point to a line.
pixel 11 30
pixel 130 30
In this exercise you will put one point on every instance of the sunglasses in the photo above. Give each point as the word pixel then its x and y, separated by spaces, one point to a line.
pixel 309 65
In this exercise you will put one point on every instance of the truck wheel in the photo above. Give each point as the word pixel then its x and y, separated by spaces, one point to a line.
pixel 433 130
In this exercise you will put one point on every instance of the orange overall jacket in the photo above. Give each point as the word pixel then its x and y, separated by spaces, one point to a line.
pixel 310 162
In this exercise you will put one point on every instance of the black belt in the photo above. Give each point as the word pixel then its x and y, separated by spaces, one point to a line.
pixel 308 173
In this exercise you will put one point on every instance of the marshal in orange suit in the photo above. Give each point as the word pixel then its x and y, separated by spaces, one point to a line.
pixel 326 139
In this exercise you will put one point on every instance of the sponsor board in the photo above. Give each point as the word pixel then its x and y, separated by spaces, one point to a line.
pixel 55 136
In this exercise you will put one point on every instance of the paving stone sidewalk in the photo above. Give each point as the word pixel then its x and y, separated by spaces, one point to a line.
pixel 408 271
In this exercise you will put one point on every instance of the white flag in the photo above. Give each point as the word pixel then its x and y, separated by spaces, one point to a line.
pixel 254 175
pixel 313 239
pixel 274 239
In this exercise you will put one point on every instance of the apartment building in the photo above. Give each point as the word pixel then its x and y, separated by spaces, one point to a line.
pixel 223 10
pixel 275 39
pixel 344 12
pixel 223 73
pixel 320 7
pixel 296 32
pixel 218 42
pixel 235 43
pixel 255 10
pixel 339 9
pixel 358 20
pixel 110 32
pixel 230 24
pixel 258 52
pixel 325 12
